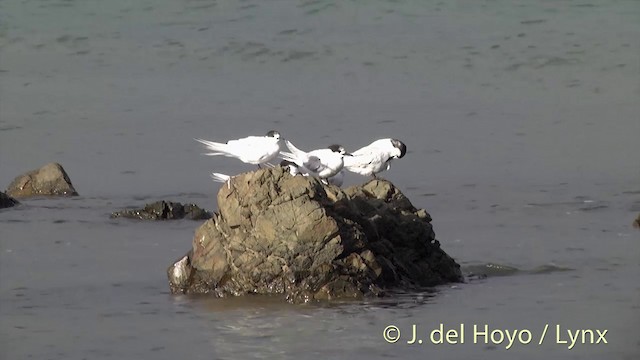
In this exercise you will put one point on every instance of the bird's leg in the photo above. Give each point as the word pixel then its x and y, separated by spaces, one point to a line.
pixel 259 167
pixel 374 176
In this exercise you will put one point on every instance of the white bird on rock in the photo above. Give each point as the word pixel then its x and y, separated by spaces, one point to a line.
pixel 375 157
pixel 251 150
pixel 321 163
pixel 294 169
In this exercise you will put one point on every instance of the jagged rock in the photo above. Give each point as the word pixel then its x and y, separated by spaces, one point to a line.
pixel 165 210
pixel 292 235
pixel 7 201
pixel 49 180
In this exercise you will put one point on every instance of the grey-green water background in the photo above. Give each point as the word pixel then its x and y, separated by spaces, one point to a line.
pixel 521 117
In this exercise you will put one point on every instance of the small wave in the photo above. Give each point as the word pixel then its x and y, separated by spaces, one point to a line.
pixel 546 269
pixel 482 271
pixel 489 270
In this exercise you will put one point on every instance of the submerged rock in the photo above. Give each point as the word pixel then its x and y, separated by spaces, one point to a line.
pixel 7 201
pixel 165 210
pixel 49 180
pixel 291 235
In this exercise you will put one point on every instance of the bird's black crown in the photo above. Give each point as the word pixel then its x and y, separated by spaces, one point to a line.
pixel 401 146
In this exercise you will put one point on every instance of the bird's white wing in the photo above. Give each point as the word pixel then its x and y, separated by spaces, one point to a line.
pixel 314 164
pixel 253 149
pixel 285 155
pixel 324 162
pixel 363 158
pixel 216 147
pixel 250 141
pixel 307 163
pixel 295 151
pixel 246 146
pixel 295 155
pixel 222 178
pixel 367 161
pixel 218 177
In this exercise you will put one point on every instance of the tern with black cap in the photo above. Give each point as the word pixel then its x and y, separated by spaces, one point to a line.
pixel 375 157
pixel 321 163
pixel 250 150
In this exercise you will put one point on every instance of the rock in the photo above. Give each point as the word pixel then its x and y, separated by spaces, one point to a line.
pixel 7 201
pixel 636 222
pixel 49 180
pixel 180 272
pixel 165 210
pixel 292 235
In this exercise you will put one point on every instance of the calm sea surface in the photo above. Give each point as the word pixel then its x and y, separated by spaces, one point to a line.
pixel 522 120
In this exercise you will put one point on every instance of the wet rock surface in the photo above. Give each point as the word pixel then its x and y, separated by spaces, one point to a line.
pixel 49 180
pixel 7 201
pixel 164 210
pixel 291 235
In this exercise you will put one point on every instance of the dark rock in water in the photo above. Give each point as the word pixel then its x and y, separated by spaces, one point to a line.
pixel 165 210
pixel 7 201
pixel 292 235
pixel 49 180
pixel 636 222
